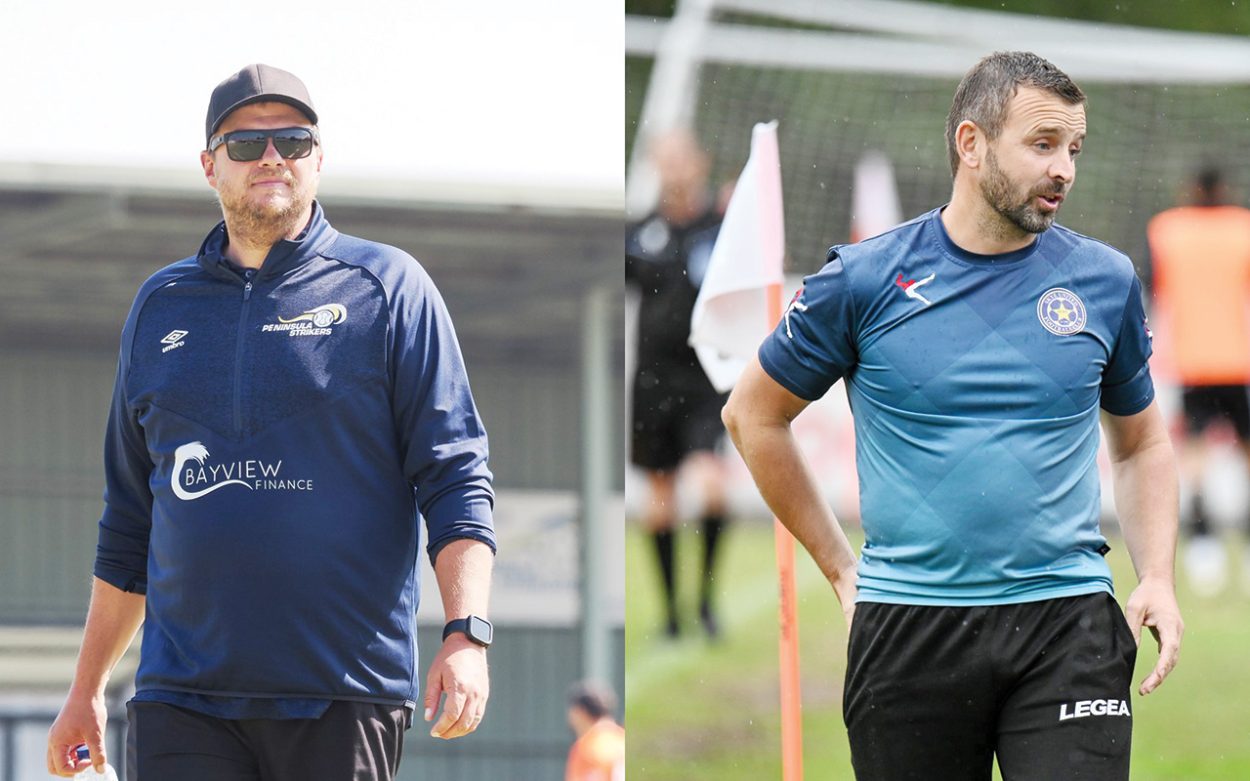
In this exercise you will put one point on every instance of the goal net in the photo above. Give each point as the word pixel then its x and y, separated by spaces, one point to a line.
pixel 860 76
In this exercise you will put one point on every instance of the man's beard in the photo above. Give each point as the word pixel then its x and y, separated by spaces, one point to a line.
pixel 265 222
pixel 998 192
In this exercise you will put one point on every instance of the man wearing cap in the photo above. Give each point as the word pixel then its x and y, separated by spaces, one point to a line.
pixel 290 403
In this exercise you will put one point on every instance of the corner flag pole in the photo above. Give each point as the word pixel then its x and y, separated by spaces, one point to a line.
pixel 739 303
pixel 791 698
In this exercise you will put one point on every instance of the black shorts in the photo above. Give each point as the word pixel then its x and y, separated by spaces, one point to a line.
pixel 352 741
pixel 937 692
pixel 1205 404
pixel 675 412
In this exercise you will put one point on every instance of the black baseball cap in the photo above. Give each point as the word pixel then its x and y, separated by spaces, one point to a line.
pixel 254 84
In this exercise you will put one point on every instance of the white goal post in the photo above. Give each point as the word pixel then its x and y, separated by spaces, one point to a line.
pixel 856 76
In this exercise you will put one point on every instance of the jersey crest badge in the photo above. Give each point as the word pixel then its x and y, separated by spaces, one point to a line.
pixel 1061 312
pixel 313 322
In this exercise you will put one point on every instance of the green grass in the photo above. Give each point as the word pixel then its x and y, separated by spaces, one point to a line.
pixel 697 710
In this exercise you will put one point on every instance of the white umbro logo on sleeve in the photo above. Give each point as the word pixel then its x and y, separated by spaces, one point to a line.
pixel 173 340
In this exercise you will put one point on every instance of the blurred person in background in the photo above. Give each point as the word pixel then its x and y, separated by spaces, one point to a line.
pixel 598 753
pixel 676 411
pixel 1200 267
pixel 979 343
pixel 290 403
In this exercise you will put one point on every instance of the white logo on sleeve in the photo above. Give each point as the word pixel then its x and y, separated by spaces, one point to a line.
pixel 313 322
pixel 193 476
pixel 173 340
pixel 1084 708
pixel 795 303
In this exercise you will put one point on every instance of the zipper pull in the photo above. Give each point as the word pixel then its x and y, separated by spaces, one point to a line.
pixel 247 285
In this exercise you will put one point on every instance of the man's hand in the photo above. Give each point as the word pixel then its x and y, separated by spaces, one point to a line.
pixel 1153 604
pixel 81 721
pixel 459 671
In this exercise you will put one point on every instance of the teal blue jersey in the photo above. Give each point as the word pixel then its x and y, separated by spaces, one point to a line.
pixel 975 382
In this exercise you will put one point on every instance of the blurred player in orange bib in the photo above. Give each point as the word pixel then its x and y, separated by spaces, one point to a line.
pixel 598 754
pixel 1200 258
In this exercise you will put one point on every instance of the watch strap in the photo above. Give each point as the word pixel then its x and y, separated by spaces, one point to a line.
pixel 467 626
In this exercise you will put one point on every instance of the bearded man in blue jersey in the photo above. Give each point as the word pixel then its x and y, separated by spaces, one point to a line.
pixel 978 343
pixel 290 405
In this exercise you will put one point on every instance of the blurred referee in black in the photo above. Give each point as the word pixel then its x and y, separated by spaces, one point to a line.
pixel 676 411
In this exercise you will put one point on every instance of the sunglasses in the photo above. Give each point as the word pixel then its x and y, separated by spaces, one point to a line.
pixel 244 146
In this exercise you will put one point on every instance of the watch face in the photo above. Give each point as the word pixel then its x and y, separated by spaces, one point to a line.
pixel 480 630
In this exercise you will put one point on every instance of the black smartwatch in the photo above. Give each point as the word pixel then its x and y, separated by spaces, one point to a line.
pixel 477 629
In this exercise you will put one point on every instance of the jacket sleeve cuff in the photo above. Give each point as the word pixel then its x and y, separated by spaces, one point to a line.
pixel 472 520
pixel 122 554
pixel 121 579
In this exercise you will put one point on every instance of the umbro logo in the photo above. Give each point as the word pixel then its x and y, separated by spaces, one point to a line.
pixel 910 287
pixel 173 340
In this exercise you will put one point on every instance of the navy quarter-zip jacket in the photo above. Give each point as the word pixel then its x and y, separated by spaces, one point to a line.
pixel 275 439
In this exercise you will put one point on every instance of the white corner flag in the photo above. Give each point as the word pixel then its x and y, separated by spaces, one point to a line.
pixel 730 316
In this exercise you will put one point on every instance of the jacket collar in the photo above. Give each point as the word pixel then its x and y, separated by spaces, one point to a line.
pixel 284 256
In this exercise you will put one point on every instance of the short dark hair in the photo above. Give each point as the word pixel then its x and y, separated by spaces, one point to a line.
pixel 985 91
pixel 593 698
pixel 1210 184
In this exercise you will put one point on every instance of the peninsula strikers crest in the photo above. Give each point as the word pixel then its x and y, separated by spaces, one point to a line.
pixel 314 322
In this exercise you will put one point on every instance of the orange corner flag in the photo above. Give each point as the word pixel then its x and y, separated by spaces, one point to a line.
pixel 738 304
